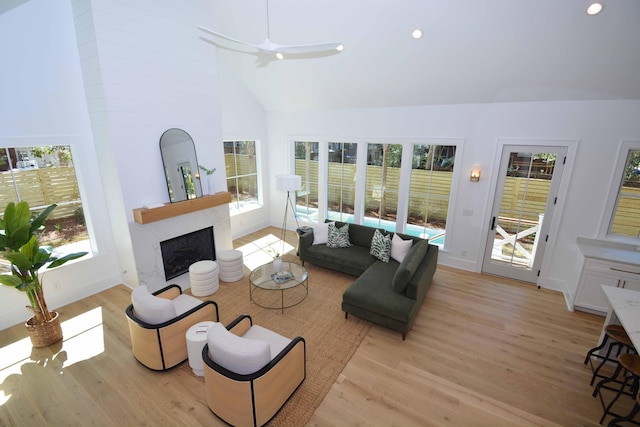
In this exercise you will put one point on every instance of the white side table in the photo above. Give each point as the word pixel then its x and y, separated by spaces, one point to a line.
pixel 196 338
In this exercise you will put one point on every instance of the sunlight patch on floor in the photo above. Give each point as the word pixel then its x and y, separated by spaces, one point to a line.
pixel 262 251
pixel 83 338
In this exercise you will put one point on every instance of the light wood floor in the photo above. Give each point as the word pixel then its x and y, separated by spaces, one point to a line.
pixel 484 351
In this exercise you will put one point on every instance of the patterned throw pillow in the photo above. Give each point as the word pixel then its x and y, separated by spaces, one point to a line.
pixel 338 237
pixel 381 246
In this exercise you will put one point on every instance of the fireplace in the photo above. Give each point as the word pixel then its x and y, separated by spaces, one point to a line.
pixel 180 252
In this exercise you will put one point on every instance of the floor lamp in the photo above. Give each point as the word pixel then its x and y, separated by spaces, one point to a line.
pixel 288 183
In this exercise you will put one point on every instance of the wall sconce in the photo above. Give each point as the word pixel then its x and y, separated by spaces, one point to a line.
pixel 475 175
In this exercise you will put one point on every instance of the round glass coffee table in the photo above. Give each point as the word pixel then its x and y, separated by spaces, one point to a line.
pixel 262 285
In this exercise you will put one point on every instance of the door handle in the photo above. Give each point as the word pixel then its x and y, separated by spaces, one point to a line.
pixel 493 223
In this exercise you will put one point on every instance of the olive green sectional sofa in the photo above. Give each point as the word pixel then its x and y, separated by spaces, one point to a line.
pixel 387 293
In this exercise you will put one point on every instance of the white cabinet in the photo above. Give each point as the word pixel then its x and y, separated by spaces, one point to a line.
pixel 597 272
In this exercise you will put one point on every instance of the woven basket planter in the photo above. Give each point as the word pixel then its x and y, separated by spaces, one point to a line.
pixel 43 335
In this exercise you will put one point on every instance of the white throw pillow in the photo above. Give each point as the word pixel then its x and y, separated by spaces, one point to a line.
pixel 400 248
pixel 240 355
pixel 150 308
pixel 321 233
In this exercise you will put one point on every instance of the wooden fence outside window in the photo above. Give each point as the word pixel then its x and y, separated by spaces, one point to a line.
pixel 41 188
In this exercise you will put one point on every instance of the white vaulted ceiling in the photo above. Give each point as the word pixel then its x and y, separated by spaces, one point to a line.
pixel 471 52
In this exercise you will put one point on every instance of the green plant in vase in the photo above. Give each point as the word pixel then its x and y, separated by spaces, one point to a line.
pixel 277 259
pixel 209 178
pixel 19 244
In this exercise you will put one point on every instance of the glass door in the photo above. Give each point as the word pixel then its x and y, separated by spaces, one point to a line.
pixel 522 210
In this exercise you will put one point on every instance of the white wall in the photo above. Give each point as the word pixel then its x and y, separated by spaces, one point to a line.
pixel 598 128
pixel 110 77
pixel 244 119
pixel 43 102
pixel 146 70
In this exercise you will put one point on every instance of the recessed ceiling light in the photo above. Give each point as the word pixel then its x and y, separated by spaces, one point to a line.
pixel 279 55
pixel 340 47
pixel 416 34
pixel 594 8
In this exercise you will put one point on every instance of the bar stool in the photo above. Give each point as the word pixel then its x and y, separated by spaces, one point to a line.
pixel 619 340
pixel 628 418
pixel 630 365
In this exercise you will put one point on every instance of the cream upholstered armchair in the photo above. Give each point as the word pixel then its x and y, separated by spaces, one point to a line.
pixel 250 372
pixel 158 324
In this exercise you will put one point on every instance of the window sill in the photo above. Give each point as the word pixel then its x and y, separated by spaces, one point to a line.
pixel 244 208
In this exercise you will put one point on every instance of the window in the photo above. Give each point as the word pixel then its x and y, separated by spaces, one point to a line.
pixel 625 219
pixel 341 183
pixel 410 196
pixel 306 159
pixel 382 185
pixel 429 191
pixel 42 176
pixel 242 174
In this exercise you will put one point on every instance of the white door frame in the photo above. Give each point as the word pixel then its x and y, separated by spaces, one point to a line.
pixel 571 145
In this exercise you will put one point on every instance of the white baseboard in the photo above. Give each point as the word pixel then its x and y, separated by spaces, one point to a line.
pixel 56 300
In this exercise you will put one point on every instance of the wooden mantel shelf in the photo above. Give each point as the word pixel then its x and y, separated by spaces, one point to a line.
pixel 170 210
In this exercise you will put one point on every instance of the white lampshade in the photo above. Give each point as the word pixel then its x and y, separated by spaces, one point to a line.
pixel 289 182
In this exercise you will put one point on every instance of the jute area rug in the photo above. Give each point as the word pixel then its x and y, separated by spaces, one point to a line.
pixel 330 339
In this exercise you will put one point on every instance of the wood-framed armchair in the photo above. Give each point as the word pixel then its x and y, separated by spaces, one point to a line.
pixel 158 323
pixel 250 372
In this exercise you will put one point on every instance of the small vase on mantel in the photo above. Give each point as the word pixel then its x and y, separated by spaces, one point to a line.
pixel 211 185
pixel 277 265
pixel 208 173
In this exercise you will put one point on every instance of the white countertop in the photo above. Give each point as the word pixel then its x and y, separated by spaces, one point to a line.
pixel 609 251
pixel 625 304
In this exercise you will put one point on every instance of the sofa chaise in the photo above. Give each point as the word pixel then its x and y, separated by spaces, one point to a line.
pixel 387 293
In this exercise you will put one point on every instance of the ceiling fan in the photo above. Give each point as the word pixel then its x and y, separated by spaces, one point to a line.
pixel 268 50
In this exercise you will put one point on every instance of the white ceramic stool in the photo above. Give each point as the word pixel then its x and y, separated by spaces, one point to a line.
pixel 196 338
pixel 203 276
pixel 231 265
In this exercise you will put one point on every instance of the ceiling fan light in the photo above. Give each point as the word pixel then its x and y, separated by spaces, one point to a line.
pixel 594 8
pixel 340 47
pixel 279 55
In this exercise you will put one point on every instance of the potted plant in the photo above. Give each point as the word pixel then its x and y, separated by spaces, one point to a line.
pixel 19 244
pixel 210 184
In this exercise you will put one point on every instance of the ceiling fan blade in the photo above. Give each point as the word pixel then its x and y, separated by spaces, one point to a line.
pixel 309 48
pixel 222 36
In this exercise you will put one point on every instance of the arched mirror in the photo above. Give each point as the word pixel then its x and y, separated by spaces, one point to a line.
pixel 180 165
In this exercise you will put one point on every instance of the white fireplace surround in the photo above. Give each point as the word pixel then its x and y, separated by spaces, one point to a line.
pixel 146 240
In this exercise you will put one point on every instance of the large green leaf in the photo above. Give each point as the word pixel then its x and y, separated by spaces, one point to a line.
pixel 41 257
pixel 26 287
pixel 39 220
pixel 30 248
pixel 19 260
pixel 59 261
pixel 16 225
pixel 18 237
pixel 10 280
pixel 20 246
pixel 9 219
pixel 16 217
